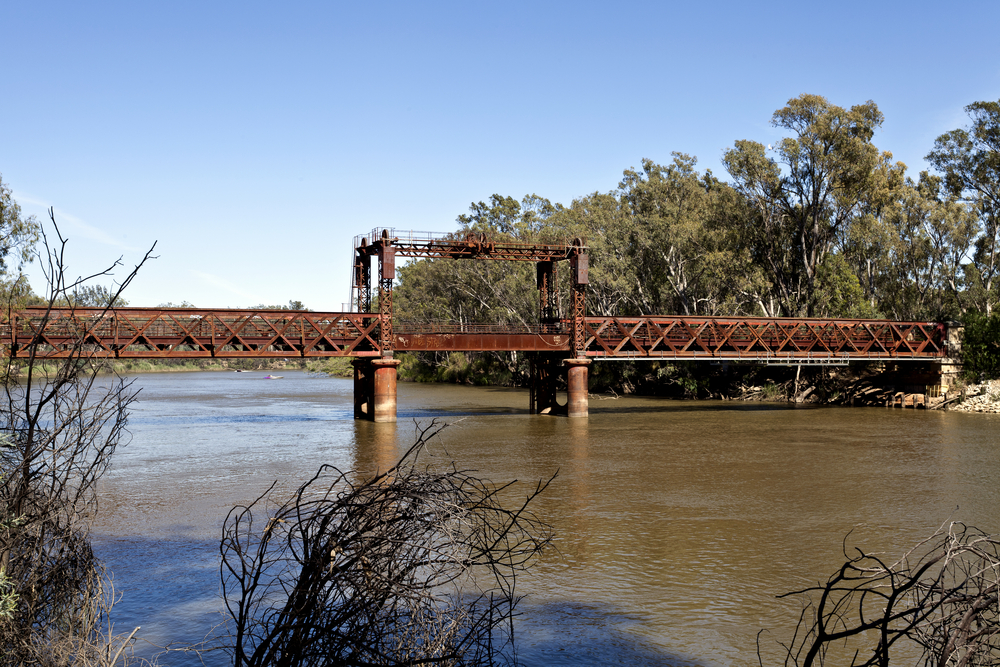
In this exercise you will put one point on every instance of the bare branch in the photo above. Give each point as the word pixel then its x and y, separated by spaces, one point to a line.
pixel 412 566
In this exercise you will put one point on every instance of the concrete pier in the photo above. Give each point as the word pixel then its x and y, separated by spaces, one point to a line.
pixel 375 389
pixel 577 387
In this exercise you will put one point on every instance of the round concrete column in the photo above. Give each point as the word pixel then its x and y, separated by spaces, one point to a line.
pixel 577 387
pixel 385 389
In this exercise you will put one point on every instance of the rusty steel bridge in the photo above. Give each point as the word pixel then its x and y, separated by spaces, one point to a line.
pixel 371 335
pixel 186 333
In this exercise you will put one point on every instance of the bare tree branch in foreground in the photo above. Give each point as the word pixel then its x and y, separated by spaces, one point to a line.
pixel 410 567
pixel 59 427
pixel 942 596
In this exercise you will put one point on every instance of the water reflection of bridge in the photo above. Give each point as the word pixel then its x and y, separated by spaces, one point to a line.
pixel 557 343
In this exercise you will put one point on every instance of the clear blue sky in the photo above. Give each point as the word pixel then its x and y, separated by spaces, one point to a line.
pixel 254 140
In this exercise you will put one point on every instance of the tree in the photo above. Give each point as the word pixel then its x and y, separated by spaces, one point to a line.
pixel 602 221
pixel 58 431
pixel 668 211
pixel 824 177
pixel 981 345
pixel 505 216
pixel 931 234
pixel 685 257
pixel 478 292
pixel 411 566
pixel 292 305
pixel 969 159
pixel 18 234
pixel 942 595
pixel 97 296
pixel 838 292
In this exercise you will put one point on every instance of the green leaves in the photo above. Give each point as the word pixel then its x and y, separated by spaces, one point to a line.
pixel 822 222
pixel 969 159
pixel 18 234
pixel 806 196
pixel 981 345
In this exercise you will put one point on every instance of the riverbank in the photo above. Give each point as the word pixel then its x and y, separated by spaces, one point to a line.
pixel 182 365
pixel 873 383
pixel 983 398
pixel 861 385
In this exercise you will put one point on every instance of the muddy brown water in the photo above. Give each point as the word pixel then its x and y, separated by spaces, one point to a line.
pixel 677 523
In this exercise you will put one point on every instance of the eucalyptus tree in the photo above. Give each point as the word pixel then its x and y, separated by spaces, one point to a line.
pixel 933 234
pixel 969 159
pixel 806 196
pixel 602 222
pixel 465 292
pixel 18 232
pixel 667 208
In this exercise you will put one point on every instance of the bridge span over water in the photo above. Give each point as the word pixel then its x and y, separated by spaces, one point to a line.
pixel 372 336
pixel 179 333
pixel 190 333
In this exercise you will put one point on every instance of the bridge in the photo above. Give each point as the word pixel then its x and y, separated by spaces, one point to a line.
pixel 372 337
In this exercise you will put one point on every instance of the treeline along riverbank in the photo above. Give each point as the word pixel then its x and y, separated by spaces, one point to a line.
pixel 860 383
pixel 821 223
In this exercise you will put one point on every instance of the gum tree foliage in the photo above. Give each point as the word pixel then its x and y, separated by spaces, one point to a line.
pixel 412 566
pixel 823 224
pixel 822 179
pixel 97 296
pixel 293 304
pixel 476 291
pixel 682 259
pixel 18 233
pixel 981 345
pixel 932 233
pixel 466 292
pixel 969 159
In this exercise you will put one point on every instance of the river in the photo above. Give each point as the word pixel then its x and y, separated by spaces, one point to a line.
pixel 677 523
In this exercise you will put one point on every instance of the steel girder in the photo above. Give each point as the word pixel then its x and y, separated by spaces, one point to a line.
pixel 139 333
pixel 471 246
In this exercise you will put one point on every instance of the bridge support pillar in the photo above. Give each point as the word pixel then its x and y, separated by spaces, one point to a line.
pixel 542 385
pixel 375 389
pixel 364 387
pixel 577 387
pixel 545 372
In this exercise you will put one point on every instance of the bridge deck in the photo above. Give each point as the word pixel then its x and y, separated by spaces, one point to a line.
pixel 193 333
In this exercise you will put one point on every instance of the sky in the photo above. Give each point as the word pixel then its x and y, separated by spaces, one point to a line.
pixel 253 141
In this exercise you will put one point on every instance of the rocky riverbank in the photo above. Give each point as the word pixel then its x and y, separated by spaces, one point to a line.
pixel 980 398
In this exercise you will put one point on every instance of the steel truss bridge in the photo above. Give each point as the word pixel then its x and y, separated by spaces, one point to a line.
pixel 561 343
pixel 141 333
pixel 371 331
